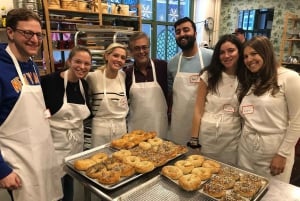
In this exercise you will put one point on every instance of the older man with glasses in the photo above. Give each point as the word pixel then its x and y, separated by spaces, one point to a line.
pixel 146 87
pixel 28 164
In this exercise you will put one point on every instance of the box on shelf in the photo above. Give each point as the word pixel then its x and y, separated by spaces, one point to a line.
pixel 54 4
pixel 69 4
pixel 120 9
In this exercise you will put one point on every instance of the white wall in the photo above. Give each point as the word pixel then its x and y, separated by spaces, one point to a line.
pixel 203 10
pixel 8 4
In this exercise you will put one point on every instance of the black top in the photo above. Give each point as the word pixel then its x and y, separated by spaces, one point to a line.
pixel 53 90
pixel 161 75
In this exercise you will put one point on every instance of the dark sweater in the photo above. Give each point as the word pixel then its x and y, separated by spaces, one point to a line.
pixel 53 90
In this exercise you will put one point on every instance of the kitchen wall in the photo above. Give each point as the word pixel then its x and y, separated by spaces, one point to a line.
pixel 230 8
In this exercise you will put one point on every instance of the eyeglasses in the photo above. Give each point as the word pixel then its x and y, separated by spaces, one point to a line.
pixel 29 34
pixel 139 48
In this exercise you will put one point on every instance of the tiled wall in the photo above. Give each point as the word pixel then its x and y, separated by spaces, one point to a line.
pixel 230 8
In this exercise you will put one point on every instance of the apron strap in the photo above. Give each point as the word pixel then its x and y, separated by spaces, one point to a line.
pixel 65 86
pixel 16 63
pixel 153 71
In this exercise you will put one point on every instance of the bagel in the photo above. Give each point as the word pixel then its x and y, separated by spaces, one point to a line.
pixel 202 172
pixel 109 177
pixel 155 141
pixel 190 182
pixel 172 172
pixel 197 160
pixel 99 157
pixel 185 166
pixel 83 164
pixel 144 166
pixel 120 155
pixel 214 165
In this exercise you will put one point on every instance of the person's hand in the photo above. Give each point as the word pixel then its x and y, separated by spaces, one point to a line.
pixel 193 143
pixel 11 181
pixel 277 165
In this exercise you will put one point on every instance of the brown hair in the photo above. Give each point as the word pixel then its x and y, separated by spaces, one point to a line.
pixel 20 14
pixel 79 48
pixel 266 78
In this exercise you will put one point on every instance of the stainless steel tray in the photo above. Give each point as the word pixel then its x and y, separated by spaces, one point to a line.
pixel 69 161
pixel 256 197
pixel 161 189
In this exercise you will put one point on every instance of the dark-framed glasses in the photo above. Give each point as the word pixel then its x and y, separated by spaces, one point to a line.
pixel 29 34
pixel 139 48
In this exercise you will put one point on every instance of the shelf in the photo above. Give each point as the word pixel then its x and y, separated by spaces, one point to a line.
pixel 293 39
pixel 91 28
pixel 118 15
pixel 290 64
pixel 72 11
pixel 290 39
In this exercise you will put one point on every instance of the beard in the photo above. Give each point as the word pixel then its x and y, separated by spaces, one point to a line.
pixel 190 42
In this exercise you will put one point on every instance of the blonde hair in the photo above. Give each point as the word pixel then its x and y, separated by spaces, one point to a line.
pixel 109 50
pixel 113 46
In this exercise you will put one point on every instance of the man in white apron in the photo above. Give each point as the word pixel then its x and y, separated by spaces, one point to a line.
pixel 25 140
pixel 146 85
pixel 184 70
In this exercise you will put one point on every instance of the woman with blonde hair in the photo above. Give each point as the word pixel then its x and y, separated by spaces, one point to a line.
pixel 109 101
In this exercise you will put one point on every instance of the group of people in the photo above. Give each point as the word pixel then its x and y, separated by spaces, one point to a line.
pixel 235 104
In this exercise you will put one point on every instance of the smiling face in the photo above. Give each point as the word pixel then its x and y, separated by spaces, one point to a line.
pixel 253 61
pixel 185 36
pixel 79 65
pixel 23 47
pixel 116 59
pixel 140 50
pixel 229 56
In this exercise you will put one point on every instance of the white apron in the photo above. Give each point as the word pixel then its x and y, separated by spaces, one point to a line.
pixel 256 150
pixel 148 107
pixel 220 128
pixel 184 97
pixel 67 126
pixel 27 146
pixel 106 129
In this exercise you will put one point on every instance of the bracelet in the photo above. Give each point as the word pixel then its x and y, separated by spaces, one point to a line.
pixel 193 143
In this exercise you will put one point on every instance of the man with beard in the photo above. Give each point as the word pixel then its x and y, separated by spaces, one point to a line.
pixel 183 79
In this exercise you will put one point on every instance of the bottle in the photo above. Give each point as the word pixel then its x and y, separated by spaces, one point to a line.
pixel 3 16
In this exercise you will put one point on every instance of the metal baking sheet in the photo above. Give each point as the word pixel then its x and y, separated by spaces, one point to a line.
pixel 256 197
pixel 69 161
pixel 159 188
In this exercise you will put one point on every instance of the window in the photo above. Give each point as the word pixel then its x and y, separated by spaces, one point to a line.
pixel 256 22
pixel 158 18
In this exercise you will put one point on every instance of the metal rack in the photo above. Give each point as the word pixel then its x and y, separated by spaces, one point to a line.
pixel 98 38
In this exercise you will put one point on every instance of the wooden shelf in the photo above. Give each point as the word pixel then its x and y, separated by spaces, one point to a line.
pixel 293 39
pixel 289 42
pixel 72 11
pixel 86 21
pixel 290 64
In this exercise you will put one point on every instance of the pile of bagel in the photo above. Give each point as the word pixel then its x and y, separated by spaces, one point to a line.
pixel 222 182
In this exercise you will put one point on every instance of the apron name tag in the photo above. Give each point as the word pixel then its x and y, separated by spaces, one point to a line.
pixel 248 109
pixel 228 108
pixel 194 79
pixel 123 102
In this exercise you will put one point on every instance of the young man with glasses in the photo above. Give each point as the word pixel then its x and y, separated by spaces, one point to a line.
pixel 146 87
pixel 28 164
